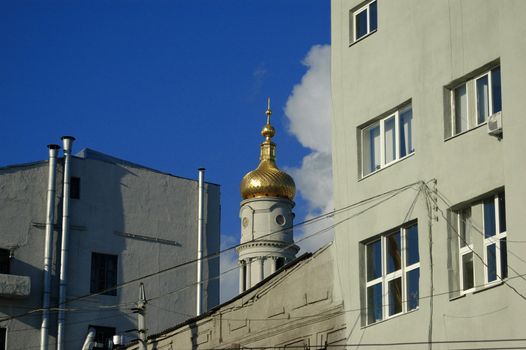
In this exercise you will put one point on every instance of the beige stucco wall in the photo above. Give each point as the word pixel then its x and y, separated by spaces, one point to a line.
pixel 298 306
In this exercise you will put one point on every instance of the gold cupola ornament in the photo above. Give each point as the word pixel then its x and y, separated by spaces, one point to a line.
pixel 267 180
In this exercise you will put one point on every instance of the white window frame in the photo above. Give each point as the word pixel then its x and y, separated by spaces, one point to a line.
pixel 356 13
pixel 493 240
pixel 466 249
pixel 454 111
pixel 381 123
pixel 385 277
pixel 490 95
pixel 471 88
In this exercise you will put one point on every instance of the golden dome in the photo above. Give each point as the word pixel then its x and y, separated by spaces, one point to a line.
pixel 267 180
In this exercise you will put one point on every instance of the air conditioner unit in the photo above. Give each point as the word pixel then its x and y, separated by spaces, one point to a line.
pixel 495 124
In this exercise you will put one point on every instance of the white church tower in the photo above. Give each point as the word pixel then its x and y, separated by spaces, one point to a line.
pixel 266 216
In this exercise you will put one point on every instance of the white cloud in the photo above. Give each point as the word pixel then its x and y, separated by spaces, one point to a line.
pixel 309 106
pixel 308 109
pixel 229 281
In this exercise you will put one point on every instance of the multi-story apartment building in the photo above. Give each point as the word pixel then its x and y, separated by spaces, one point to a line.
pixel 126 222
pixel 428 112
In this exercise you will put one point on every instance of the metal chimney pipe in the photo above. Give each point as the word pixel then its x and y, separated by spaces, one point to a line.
pixel 68 144
pixel 200 231
pixel 48 244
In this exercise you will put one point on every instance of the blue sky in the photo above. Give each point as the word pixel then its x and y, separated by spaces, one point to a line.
pixel 172 85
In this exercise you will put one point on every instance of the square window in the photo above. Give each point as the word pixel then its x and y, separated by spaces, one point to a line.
pixel 393 288
pixel 103 273
pixel 387 140
pixel 365 20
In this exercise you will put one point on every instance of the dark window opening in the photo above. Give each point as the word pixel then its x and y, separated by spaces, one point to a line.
pixel 74 187
pixel 103 273
pixel 103 337
pixel 3 338
pixel 280 262
pixel 4 261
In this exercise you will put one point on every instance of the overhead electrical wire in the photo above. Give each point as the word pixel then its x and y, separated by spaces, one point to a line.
pixel 217 254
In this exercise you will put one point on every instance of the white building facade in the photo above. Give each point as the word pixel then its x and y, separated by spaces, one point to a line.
pixel 427 118
pixel 126 222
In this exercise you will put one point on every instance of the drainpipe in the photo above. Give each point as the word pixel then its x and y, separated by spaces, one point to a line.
pixel 89 343
pixel 200 229
pixel 68 143
pixel 48 244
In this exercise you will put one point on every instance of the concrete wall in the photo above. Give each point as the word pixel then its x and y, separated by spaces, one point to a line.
pixel 284 310
pixel 419 49
pixel 147 218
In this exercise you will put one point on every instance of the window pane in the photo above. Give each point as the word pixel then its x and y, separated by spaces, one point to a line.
pixel 467 271
pixel 374 303
pixel 373 16
pixel 503 258
pixel 390 140
pixel 489 217
pixel 502 213
pixel 406 139
pixel 413 280
pixel 371 147
pixel 74 190
pixel 461 109
pixel 411 238
pixel 393 252
pixel 3 336
pixel 482 99
pixel 4 261
pixel 464 226
pixel 374 260
pixel 495 90
pixel 361 24
pixel 491 262
pixel 395 296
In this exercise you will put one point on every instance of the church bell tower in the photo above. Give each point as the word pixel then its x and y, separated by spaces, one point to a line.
pixel 266 216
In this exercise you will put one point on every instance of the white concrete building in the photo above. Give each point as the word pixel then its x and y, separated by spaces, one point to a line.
pixel 427 98
pixel 126 221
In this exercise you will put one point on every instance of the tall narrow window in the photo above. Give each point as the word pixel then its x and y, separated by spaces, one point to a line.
pixel 495 244
pixel 365 20
pixel 387 140
pixel 4 261
pixel 3 338
pixel 488 95
pixel 467 277
pixel 461 109
pixel 406 133
pixel 103 273
pixel 74 190
pixel 371 145
pixel 392 274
